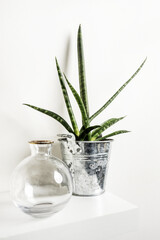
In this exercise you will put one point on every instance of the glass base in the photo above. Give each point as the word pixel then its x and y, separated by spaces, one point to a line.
pixel 42 210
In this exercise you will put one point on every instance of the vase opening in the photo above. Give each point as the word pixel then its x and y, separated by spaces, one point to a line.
pixel 41 142
pixel 41 147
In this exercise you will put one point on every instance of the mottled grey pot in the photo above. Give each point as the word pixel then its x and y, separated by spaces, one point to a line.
pixel 88 164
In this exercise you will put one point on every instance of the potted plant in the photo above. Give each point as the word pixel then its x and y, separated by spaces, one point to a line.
pixel 88 162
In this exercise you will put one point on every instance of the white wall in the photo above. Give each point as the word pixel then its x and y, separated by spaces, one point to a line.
pixel 118 35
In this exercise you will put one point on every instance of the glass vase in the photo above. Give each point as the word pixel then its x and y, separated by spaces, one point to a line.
pixel 41 184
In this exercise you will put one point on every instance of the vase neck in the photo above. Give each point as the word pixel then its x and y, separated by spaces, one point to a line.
pixel 41 147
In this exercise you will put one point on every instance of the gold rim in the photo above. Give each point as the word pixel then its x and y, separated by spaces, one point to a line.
pixel 41 142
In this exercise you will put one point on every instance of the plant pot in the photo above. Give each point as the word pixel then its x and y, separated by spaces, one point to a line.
pixel 88 164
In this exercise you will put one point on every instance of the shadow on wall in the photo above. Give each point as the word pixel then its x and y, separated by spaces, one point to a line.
pixel 14 140
pixel 13 147
pixel 67 55
pixel 64 68
pixel 56 150
pixel 15 135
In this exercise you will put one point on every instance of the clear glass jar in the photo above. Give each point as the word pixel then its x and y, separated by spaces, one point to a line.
pixel 41 184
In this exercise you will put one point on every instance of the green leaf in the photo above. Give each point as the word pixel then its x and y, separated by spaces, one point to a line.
pixel 112 134
pixel 79 102
pixel 82 129
pixel 84 133
pixel 103 127
pixel 116 94
pixel 53 115
pixel 67 101
pixel 81 68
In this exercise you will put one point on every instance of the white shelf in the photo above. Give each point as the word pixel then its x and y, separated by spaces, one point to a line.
pixel 100 217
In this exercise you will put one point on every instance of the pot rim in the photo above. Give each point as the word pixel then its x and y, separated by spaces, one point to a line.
pixel 108 140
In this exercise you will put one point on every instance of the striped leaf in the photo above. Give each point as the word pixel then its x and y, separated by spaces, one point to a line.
pixel 79 102
pixel 81 68
pixel 116 94
pixel 53 115
pixel 103 127
pixel 86 131
pixel 67 101
pixel 112 134
pixel 82 129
